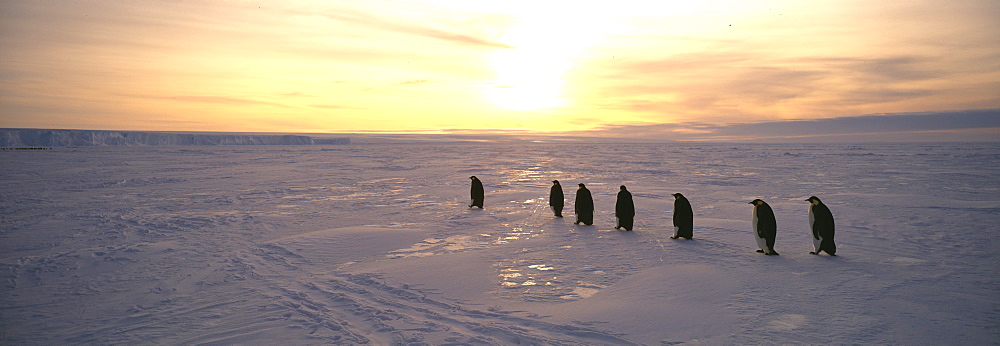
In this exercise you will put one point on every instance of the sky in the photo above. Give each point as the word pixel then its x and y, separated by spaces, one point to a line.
pixel 659 68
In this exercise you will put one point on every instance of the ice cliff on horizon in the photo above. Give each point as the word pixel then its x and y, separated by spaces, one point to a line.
pixel 62 138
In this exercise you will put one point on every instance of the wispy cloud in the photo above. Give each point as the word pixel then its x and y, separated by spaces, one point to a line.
pixel 222 100
pixel 332 107
pixel 403 26
pixel 763 87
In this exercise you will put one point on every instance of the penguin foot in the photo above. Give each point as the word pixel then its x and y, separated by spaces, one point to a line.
pixel 674 237
pixel 618 227
pixel 576 223
pixel 813 253
pixel 761 251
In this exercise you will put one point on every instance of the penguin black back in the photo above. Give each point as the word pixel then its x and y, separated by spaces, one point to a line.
pixel 765 225
pixel 683 217
pixel 477 193
pixel 823 227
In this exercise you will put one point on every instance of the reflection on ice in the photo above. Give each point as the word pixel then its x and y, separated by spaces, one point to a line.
pixel 514 234
pixel 532 276
pixel 457 243
pixel 529 174
pixel 511 273
pixel 436 246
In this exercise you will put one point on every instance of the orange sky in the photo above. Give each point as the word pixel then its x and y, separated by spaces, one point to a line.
pixel 348 66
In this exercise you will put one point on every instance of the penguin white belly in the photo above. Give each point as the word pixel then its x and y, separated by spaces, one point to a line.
pixel 812 221
pixel 761 242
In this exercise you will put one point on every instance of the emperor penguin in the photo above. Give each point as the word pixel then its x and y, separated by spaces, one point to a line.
pixel 556 198
pixel 625 209
pixel 584 206
pixel 821 223
pixel 764 226
pixel 477 193
pixel 683 218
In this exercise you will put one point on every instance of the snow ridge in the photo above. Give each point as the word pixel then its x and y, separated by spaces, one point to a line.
pixel 62 138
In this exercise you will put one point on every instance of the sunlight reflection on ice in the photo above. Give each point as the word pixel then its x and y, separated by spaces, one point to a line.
pixel 509 275
pixel 515 234
pixel 456 243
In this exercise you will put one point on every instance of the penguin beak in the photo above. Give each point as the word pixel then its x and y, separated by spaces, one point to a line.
pixel 751 202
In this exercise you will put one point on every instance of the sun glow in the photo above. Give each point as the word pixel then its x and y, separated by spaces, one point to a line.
pixel 545 41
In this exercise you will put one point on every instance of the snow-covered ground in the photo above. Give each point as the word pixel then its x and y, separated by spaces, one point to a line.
pixel 375 244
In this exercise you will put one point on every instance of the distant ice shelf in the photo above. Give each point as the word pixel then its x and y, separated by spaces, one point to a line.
pixel 13 138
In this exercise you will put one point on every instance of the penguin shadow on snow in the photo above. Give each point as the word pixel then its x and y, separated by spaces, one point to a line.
pixel 634 233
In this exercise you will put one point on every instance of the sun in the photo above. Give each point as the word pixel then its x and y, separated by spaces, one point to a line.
pixel 530 75
pixel 527 79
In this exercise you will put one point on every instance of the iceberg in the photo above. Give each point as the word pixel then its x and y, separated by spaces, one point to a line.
pixel 61 138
